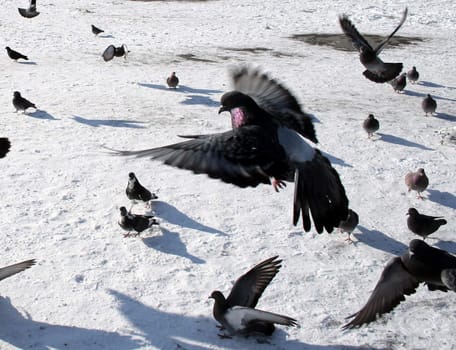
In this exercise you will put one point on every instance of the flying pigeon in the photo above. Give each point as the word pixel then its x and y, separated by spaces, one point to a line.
pixel 349 224
pixel 402 276
pixel 266 144
pixel 96 30
pixel 14 55
pixel 371 125
pixel 376 69
pixel 413 75
pixel 399 83
pixel 136 192
pixel 20 103
pixel 237 314
pixel 5 146
pixel 31 11
pixel 134 222
pixel 429 105
pixel 417 181
pixel 172 80
pixel 112 51
pixel 10 270
pixel 423 225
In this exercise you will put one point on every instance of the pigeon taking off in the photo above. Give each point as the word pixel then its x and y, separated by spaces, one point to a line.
pixel 376 69
pixel 423 225
pixel 20 103
pixel 237 314
pixel 11 270
pixel 402 276
pixel 5 146
pixel 96 30
pixel 371 125
pixel 136 192
pixel 399 83
pixel 112 51
pixel 429 105
pixel 349 224
pixel 413 75
pixel 14 55
pixel 29 12
pixel 134 222
pixel 266 143
pixel 172 80
pixel 417 181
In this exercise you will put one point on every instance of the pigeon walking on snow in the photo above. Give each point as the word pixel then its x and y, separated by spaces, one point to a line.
pixel 11 270
pixel 402 276
pixel 413 75
pixel 29 12
pixel 399 83
pixel 429 105
pixel 266 144
pixel 417 181
pixel 96 30
pixel 349 224
pixel 237 314
pixel 172 80
pixel 371 125
pixel 376 69
pixel 5 146
pixel 14 55
pixel 137 192
pixel 423 225
pixel 21 103
pixel 134 222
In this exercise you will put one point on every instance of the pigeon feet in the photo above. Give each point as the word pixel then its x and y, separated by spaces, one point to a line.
pixel 130 235
pixel 278 184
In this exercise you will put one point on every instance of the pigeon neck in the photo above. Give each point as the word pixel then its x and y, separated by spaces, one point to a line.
pixel 239 117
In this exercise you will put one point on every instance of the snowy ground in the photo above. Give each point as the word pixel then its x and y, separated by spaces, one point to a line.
pixel 94 289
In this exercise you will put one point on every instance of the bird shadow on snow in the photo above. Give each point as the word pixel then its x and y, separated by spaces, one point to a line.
pixel 380 241
pixel 434 85
pixel 109 122
pixel 401 141
pixel 170 243
pixel 167 330
pixel 41 114
pixel 199 100
pixel 449 246
pixel 32 63
pixel 421 94
pixel 443 198
pixel 336 160
pixel 181 88
pixel 445 116
pixel 24 333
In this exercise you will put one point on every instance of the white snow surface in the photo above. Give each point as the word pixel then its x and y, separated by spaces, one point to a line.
pixel 61 190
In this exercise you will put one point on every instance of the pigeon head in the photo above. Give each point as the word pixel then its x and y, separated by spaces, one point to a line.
pixel 131 176
pixel 17 94
pixel 123 211
pixel 417 246
pixel 8 48
pixel 241 107
pixel 218 297
pixel 412 211
pixel 420 171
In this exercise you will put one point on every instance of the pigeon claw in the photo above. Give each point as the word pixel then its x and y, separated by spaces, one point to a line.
pixel 278 184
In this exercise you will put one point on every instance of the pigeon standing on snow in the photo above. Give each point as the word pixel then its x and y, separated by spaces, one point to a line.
pixel 11 270
pixel 402 276
pixel 137 192
pixel 96 30
pixel 413 75
pixel 423 225
pixel 417 181
pixel 399 83
pixel 5 146
pixel 14 55
pixel 172 80
pixel 349 224
pixel 134 222
pixel 376 69
pixel 266 144
pixel 21 103
pixel 429 105
pixel 371 125
pixel 29 12
pixel 237 314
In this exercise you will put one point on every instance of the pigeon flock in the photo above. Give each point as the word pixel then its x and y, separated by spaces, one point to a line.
pixel 273 141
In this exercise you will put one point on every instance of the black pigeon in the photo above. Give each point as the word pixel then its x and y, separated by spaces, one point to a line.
pixel 137 192
pixel 14 55
pixel 134 222
pixel 5 146
pixel 371 125
pixel 112 51
pixel 399 83
pixel 266 142
pixel 413 75
pixel 29 12
pixel 349 224
pixel 376 69
pixel 172 80
pixel 11 270
pixel 96 30
pixel 20 103
pixel 417 181
pixel 402 276
pixel 429 105
pixel 423 225
pixel 237 313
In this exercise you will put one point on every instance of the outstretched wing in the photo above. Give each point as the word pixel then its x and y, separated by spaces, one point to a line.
pixel 5 146
pixel 10 270
pixel 350 30
pixel 380 47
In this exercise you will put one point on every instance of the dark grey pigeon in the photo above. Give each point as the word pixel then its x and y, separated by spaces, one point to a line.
pixel 376 69
pixel 112 51
pixel 96 30
pixel 423 225
pixel 266 144
pixel 429 105
pixel 134 222
pixel 137 192
pixel 14 55
pixel 371 125
pixel 349 224
pixel 172 80
pixel 399 83
pixel 21 103
pixel 11 270
pixel 413 75
pixel 29 12
pixel 417 181
pixel 237 314
pixel 5 146
pixel 402 276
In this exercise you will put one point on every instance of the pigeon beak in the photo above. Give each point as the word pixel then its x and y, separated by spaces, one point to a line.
pixel 223 109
